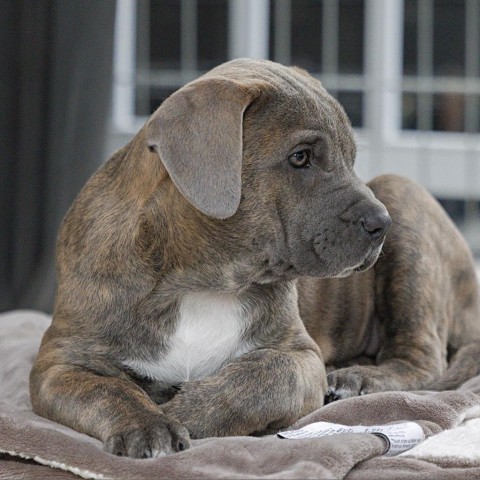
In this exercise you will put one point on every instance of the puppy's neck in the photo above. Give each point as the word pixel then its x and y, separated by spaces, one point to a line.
pixel 179 242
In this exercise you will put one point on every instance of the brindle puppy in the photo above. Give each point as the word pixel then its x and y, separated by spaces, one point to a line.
pixel 177 312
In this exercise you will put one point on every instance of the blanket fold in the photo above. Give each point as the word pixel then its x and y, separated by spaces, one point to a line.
pixel 33 447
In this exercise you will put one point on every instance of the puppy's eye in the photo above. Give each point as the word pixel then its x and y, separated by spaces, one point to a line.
pixel 300 159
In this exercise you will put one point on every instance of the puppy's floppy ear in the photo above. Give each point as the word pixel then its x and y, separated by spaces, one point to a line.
pixel 197 133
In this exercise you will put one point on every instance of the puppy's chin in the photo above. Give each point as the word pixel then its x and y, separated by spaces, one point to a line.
pixel 367 263
pixel 283 270
pixel 329 269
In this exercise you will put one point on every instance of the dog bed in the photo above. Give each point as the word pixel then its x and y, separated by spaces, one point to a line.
pixel 33 447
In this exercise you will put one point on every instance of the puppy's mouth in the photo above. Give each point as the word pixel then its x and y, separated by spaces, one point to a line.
pixel 369 260
pixel 364 266
pixel 275 269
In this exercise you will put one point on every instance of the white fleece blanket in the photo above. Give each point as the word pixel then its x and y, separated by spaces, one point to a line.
pixel 33 447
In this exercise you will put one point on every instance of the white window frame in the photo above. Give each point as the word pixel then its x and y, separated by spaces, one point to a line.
pixel 447 163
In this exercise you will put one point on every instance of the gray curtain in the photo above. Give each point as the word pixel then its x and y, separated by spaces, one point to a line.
pixel 55 90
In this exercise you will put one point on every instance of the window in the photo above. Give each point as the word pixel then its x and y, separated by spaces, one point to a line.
pixel 441 64
pixel 176 42
pixel 327 39
pixel 406 71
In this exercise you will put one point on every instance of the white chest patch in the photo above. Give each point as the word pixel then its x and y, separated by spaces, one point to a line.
pixel 208 335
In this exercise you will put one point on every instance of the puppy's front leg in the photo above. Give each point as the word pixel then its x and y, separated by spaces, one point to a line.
pixel 412 353
pixel 110 408
pixel 410 311
pixel 261 391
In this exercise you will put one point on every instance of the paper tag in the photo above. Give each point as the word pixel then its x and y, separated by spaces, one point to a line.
pixel 399 436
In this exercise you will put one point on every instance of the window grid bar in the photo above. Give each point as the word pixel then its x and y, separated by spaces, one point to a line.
pixel 425 85
pixel 166 77
pixel 330 36
pixel 342 82
pixel 142 93
pixel 249 28
pixel 383 68
pixel 169 78
pixel 425 62
pixel 123 108
pixel 283 31
pixel 472 37
pixel 188 35
pixel 472 62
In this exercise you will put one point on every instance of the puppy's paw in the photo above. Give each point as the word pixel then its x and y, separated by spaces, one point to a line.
pixel 354 381
pixel 160 437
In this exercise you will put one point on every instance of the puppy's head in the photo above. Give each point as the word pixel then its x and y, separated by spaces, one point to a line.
pixel 264 149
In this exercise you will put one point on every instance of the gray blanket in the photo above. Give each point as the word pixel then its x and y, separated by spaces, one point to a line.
pixel 33 447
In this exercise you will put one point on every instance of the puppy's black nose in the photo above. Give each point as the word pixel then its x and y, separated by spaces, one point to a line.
pixel 376 226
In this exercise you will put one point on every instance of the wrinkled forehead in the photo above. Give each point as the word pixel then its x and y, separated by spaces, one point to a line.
pixel 292 98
